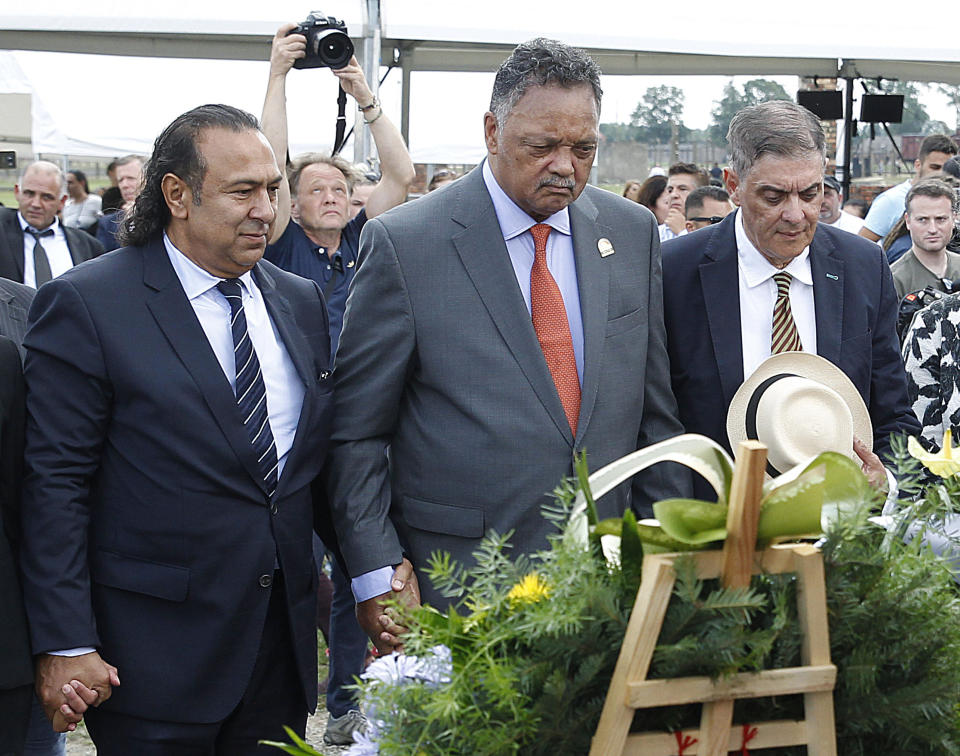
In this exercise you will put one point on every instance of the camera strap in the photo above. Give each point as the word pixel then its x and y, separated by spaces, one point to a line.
pixel 339 139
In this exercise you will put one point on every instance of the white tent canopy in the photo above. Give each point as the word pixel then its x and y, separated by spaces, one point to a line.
pixel 216 51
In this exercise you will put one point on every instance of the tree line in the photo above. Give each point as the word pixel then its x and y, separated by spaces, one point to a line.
pixel 658 117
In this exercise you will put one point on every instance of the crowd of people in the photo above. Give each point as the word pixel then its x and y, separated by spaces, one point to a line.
pixel 285 367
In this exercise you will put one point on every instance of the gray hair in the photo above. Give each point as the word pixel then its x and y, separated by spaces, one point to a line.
pixel 538 63
pixel 778 127
pixel 42 166
pixel 350 173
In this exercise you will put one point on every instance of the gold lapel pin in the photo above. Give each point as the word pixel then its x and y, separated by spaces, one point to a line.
pixel 605 247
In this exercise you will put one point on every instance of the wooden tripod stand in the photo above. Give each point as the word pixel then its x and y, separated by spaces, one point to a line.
pixel 630 690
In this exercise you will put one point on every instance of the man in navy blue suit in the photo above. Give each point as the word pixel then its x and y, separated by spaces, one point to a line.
pixel 720 289
pixel 179 404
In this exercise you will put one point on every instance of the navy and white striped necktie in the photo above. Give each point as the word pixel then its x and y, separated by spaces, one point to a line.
pixel 251 390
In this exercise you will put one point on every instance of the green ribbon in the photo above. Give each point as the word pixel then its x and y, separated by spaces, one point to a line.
pixel 797 504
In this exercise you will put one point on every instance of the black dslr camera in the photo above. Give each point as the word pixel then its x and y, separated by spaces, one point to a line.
pixel 328 45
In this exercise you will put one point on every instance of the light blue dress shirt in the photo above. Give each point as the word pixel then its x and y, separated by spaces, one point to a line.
pixel 515 225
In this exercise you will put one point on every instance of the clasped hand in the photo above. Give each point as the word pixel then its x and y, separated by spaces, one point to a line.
pixel 68 685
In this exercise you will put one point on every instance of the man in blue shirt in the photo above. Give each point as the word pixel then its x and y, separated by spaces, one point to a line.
pixel 322 244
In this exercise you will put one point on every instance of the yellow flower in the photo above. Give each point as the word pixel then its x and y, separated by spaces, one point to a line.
pixel 530 590
pixel 944 463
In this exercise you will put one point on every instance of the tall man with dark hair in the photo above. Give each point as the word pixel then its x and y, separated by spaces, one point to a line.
pixel 34 245
pixel 682 178
pixel 495 329
pixel 887 208
pixel 167 506
pixel 722 285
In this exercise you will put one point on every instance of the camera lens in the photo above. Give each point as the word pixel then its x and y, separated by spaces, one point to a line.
pixel 335 48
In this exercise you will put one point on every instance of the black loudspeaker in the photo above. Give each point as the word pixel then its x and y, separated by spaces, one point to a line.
pixel 882 108
pixel 826 104
pixel 8 159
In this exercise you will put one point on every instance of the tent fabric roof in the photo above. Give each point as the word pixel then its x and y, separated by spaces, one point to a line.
pixel 433 35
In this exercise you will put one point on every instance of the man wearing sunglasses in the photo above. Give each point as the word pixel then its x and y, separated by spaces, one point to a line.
pixel 705 206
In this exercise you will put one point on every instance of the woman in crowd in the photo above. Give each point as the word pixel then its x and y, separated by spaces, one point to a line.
pixel 82 208
pixel 632 190
pixel 653 195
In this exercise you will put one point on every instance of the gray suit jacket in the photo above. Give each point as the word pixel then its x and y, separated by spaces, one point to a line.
pixel 440 364
pixel 82 246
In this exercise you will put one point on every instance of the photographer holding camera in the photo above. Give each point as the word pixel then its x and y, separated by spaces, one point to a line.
pixel 315 237
pixel 322 242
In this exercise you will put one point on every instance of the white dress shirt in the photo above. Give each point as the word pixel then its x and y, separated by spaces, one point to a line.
pixel 284 386
pixel 58 253
pixel 758 294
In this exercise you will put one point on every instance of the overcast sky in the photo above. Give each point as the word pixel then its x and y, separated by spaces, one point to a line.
pixel 117 97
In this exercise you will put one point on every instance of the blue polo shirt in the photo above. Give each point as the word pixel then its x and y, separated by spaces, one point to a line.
pixel 294 252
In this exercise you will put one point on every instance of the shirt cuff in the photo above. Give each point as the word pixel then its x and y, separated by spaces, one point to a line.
pixel 371 584
pixel 73 651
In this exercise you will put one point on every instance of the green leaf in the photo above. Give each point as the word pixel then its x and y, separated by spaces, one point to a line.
pixel 631 552
pixel 299 748
pixel 583 476
pixel 691 521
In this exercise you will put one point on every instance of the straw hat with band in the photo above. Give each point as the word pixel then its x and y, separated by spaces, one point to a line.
pixel 799 405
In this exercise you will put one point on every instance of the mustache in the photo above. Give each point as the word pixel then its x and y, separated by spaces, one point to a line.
pixel 558 183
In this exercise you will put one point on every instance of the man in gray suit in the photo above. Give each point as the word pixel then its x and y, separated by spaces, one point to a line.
pixel 495 329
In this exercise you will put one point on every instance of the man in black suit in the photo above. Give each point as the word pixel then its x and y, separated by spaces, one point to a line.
pixel 34 247
pixel 16 667
pixel 167 505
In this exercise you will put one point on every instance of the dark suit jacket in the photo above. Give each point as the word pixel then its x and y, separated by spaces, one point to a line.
pixel 856 310
pixel 146 525
pixel 439 360
pixel 16 663
pixel 15 299
pixel 82 246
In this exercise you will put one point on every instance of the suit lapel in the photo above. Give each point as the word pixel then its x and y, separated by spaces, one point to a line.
pixel 73 246
pixel 593 281
pixel 175 316
pixel 721 297
pixel 484 254
pixel 827 271
pixel 299 350
pixel 14 238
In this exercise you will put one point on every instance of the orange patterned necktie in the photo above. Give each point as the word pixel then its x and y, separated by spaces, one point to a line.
pixel 553 329
pixel 785 337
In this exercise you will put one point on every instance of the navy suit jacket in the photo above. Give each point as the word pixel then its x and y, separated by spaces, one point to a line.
pixel 147 528
pixel 82 246
pixel 856 310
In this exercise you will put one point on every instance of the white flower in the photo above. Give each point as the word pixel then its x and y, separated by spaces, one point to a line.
pixel 393 669
pixel 363 745
pixel 437 667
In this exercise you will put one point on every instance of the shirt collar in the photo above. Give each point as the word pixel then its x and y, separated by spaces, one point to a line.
pixel 514 221
pixel 757 269
pixel 55 226
pixel 195 280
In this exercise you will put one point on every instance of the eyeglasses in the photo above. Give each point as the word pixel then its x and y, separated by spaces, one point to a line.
pixel 711 220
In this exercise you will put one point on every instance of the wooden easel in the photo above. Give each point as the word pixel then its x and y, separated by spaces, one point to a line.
pixel 630 690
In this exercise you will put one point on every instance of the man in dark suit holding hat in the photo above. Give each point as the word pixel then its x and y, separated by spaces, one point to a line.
pixel 770 279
